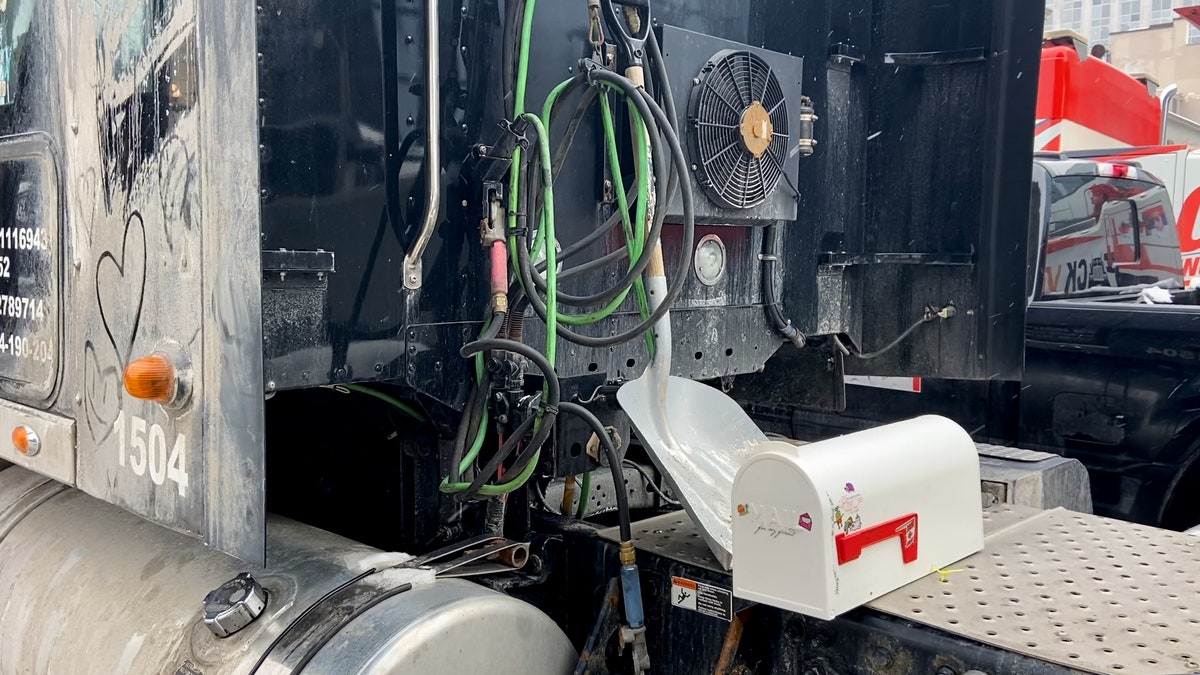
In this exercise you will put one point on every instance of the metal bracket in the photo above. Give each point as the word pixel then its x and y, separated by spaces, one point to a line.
pixel 485 554
pixel 301 262
pixel 844 55
pixel 943 58
pixel 842 259
pixel 640 653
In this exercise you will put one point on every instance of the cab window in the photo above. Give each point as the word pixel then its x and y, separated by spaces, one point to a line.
pixel 1107 234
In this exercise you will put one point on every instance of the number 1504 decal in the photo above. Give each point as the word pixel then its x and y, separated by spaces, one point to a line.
pixel 142 446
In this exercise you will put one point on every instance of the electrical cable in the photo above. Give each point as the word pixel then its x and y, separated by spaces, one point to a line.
pixel 614 462
pixel 929 316
pixel 540 491
pixel 645 105
pixel 544 283
pixel 387 398
pixel 512 34
pixel 652 486
pixel 305 614
pixel 493 329
pixel 591 237
pixel 568 139
pixel 770 292
pixel 460 435
pixel 545 419
pixel 344 621
pixel 635 271
pixel 475 415
pixel 594 264
pixel 464 491
pixel 635 236
pixel 658 66
pixel 634 239
pixel 473 426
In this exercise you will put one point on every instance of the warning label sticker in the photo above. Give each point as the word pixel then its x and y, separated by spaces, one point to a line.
pixel 698 597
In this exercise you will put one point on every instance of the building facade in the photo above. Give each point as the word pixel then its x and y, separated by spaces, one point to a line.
pixel 1141 36
pixel 1170 53
pixel 1097 20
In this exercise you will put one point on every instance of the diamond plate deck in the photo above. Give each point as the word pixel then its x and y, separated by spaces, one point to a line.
pixel 1094 594
pixel 671 535
pixel 1017 454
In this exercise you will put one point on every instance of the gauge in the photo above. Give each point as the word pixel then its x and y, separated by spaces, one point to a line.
pixel 710 260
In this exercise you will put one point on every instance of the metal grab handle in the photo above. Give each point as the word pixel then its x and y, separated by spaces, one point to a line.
pixel 433 152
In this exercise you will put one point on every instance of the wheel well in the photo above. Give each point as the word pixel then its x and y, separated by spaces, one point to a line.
pixel 1181 508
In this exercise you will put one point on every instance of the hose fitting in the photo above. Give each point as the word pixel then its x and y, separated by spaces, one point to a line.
pixel 631 587
pixel 500 303
pixel 631 592
pixel 792 333
pixel 627 553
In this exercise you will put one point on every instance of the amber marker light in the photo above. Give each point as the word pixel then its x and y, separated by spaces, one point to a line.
pixel 25 440
pixel 152 378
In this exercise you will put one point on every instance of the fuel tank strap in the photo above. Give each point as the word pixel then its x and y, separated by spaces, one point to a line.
pixel 20 493
pixel 292 650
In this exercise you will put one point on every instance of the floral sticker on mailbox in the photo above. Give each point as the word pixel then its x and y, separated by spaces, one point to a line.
pixel 846 518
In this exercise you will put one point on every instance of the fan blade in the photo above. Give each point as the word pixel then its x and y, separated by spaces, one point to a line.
pixel 722 151
pixel 735 81
pixel 760 185
pixel 766 81
pixel 721 97
pixel 743 200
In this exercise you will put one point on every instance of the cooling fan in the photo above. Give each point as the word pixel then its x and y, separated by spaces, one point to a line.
pixel 738 120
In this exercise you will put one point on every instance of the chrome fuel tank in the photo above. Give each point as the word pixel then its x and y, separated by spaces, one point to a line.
pixel 86 587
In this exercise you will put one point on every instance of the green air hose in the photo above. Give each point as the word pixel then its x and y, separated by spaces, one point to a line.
pixel 518 110
pixel 551 328
pixel 544 239
pixel 391 400
pixel 585 485
pixel 634 237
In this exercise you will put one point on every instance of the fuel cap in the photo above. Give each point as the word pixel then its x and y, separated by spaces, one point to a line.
pixel 234 605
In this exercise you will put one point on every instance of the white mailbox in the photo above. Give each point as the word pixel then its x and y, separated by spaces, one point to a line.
pixel 823 528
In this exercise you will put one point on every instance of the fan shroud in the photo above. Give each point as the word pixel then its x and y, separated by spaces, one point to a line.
pixel 738 129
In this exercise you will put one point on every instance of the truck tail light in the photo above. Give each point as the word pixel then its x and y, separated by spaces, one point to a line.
pixel 1117 171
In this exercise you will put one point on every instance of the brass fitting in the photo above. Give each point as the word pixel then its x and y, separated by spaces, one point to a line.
pixel 500 303
pixel 627 554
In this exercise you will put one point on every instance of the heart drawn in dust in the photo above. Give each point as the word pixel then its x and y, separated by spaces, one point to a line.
pixel 101 388
pixel 121 287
